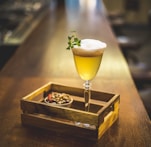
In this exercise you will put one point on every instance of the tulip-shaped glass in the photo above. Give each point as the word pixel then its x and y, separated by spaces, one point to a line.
pixel 87 58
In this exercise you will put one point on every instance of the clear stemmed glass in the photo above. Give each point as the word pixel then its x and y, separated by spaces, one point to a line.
pixel 87 58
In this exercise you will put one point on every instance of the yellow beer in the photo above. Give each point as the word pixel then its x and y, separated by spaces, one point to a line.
pixel 87 67
pixel 87 58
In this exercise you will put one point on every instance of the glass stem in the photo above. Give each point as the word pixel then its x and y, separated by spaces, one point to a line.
pixel 87 95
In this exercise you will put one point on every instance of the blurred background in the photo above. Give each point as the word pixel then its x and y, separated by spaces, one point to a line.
pixel 18 18
pixel 130 21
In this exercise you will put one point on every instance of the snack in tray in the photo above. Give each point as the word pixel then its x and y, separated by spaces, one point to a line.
pixel 59 99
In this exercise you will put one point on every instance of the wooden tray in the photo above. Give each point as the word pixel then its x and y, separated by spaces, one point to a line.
pixel 104 109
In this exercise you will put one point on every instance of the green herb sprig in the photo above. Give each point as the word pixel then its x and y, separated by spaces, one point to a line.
pixel 72 41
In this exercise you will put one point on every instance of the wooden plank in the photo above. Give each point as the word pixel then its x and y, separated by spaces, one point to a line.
pixel 67 128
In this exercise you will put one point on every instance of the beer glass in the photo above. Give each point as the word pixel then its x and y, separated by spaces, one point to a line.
pixel 87 58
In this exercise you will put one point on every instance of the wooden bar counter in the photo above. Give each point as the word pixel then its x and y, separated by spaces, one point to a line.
pixel 43 58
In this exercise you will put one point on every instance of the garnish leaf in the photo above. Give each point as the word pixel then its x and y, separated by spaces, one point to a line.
pixel 73 40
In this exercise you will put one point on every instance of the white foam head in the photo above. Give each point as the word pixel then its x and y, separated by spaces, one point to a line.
pixel 89 47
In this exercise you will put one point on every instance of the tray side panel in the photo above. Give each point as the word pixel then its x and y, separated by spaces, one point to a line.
pixel 66 128
pixel 109 119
